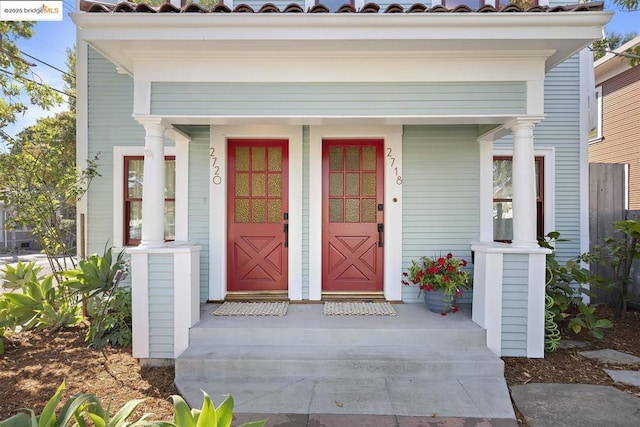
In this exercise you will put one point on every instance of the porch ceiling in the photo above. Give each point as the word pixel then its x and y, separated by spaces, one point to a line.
pixel 126 38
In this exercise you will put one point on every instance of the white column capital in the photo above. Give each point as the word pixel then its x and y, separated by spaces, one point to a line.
pixel 521 123
pixel 151 121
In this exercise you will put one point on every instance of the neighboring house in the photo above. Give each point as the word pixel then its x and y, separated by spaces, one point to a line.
pixel 616 134
pixel 291 152
pixel 11 239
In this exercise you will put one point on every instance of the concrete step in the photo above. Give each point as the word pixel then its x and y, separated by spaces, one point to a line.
pixel 256 335
pixel 477 397
pixel 428 362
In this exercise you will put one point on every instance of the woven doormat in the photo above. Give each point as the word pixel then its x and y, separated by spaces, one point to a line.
pixel 252 309
pixel 359 309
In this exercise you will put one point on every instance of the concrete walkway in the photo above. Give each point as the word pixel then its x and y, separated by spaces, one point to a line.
pixel 584 405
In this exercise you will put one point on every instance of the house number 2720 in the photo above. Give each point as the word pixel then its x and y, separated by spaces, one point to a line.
pixel 217 179
pixel 393 166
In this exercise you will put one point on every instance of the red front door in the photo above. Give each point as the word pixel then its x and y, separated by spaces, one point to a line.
pixel 352 194
pixel 257 254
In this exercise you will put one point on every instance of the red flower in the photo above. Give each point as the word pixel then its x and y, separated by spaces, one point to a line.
pixel 443 314
pixel 445 279
pixel 451 268
pixel 449 255
pixel 454 309
pixel 463 263
pixel 458 292
pixel 405 274
pixel 441 261
pixel 429 287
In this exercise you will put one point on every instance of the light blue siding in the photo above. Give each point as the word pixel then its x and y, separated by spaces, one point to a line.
pixel 110 123
pixel 440 193
pixel 514 304
pixel 199 200
pixel 337 99
pixel 161 314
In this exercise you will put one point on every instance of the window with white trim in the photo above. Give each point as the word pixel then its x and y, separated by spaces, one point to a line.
pixel 503 198
pixel 595 120
pixel 132 199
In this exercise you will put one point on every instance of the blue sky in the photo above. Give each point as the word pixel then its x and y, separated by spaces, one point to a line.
pixel 51 40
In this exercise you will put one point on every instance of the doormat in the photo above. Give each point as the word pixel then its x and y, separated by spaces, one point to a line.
pixel 252 309
pixel 359 309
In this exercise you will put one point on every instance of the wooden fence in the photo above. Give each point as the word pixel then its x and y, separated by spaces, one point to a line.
pixel 607 205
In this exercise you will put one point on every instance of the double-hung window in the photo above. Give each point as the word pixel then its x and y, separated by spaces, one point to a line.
pixel 133 183
pixel 503 198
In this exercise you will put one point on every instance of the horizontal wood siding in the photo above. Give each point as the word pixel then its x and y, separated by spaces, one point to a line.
pixel 621 128
pixel 440 193
pixel 514 304
pixel 110 123
pixel 161 313
pixel 337 99
pixel 199 200
pixel 561 129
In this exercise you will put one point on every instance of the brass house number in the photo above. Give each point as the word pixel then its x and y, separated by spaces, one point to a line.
pixel 217 179
pixel 393 166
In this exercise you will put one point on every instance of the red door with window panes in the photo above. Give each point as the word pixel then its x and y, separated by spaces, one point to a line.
pixel 257 206
pixel 353 230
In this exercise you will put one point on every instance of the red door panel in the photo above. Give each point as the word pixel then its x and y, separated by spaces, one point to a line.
pixel 352 192
pixel 257 254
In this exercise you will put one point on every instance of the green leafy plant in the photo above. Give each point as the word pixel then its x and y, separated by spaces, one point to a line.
pixel 565 285
pixel 97 279
pixel 444 273
pixel 208 415
pixel 114 328
pixel 618 252
pixel 76 410
pixel 36 302
pixel 85 409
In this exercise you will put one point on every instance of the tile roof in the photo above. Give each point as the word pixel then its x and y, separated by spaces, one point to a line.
pixel 127 7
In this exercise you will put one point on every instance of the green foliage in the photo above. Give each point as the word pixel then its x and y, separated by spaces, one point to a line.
pixel 76 411
pixel 114 327
pixel 618 252
pixel 85 409
pixel 207 416
pixel 17 76
pixel 565 285
pixel 611 42
pixel 35 302
pixel 109 307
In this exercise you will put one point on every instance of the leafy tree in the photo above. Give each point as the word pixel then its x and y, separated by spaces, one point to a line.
pixel 39 181
pixel 17 76
pixel 611 42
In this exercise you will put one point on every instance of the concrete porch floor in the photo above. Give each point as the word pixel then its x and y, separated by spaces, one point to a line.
pixel 400 370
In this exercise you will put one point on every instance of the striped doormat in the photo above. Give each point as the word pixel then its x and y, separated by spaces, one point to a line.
pixel 359 309
pixel 252 309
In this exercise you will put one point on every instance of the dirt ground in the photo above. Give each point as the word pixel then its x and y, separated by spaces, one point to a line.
pixel 35 363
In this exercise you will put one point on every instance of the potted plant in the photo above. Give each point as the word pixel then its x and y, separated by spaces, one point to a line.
pixel 442 278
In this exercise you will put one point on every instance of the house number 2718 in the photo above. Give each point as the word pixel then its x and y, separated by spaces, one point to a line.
pixel 393 166
pixel 217 179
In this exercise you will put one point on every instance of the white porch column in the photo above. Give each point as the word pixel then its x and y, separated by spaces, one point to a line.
pixel 524 185
pixel 153 187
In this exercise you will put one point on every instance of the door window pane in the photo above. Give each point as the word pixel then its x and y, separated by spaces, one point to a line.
pixel 353 184
pixel 336 159
pixel 368 210
pixel 352 208
pixel 258 159
pixel 336 210
pixel 353 158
